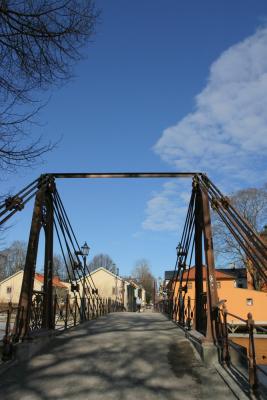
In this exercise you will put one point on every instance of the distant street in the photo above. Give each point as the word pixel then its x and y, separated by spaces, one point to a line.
pixel 123 356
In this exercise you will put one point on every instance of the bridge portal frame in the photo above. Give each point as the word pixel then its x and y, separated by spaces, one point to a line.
pixel 207 194
pixel 43 217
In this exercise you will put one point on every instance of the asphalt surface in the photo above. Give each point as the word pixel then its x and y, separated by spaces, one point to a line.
pixel 123 356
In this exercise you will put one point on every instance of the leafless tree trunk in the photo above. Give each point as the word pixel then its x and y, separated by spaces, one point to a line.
pixel 12 259
pixel 252 204
pixel 59 268
pixel 142 274
pixel 104 261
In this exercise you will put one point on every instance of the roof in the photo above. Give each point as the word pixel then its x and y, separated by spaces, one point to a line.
pixel 12 276
pixel 168 275
pixel 55 282
pixel 235 272
pixel 220 274
pixel 39 277
pixel 107 271
pixel 133 282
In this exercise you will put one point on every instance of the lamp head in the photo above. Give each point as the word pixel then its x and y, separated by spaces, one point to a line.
pixel 85 249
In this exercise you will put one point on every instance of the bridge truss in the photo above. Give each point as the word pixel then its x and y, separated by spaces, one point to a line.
pixel 49 213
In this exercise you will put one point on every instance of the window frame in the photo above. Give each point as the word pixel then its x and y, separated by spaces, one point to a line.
pixel 249 301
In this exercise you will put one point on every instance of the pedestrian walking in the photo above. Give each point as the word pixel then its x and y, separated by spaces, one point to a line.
pixel 138 304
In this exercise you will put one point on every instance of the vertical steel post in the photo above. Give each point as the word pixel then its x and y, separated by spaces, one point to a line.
pixel 55 310
pixel 252 366
pixel 97 307
pixel 42 217
pixel 212 294
pixel 88 308
pixel 188 319
pixel 66 312
pixel 7 345
pixel 199 314
pixel 48 321
pixel 75 310
pixel 93 314
pixel 225 352
pixel 175 317
pixel 25 301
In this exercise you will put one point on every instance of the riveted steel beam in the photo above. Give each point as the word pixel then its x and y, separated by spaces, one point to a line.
pixel 93 175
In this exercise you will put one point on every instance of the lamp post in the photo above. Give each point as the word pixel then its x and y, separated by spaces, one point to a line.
pixel 84 253
pixel 160 287
pixel 116 280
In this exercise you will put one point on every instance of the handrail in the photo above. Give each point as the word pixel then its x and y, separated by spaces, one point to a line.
pixel 237 317
pixel 226 342
pixel 67 313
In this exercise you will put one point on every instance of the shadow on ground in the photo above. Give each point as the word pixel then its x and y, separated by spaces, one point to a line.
pixel 122 356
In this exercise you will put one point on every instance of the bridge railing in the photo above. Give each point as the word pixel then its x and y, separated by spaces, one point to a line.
pixel 67 314
pixel 8 317
pixel 226 344
pixel 183 315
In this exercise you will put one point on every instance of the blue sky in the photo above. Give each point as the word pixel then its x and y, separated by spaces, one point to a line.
pixel 164 86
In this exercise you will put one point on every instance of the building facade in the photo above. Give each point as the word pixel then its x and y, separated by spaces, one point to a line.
pixel 231 286
pixel 10 287
pixel 114 287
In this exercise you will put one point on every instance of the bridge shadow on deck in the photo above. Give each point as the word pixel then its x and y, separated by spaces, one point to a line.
pixel 123 356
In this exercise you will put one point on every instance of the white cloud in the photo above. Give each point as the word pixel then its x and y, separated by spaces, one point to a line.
pixel 166 210
pixel 226 135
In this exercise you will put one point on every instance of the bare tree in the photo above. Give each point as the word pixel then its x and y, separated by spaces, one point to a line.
pixel 104 261
pixel 12 259
pixel 143 276
pixel 59 267
pixel 252 204
pixel 39 42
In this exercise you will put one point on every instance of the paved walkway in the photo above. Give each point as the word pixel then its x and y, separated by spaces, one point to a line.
pixel 124 356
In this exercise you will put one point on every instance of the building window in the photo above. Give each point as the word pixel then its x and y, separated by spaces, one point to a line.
pixel 218 285
pixel 241 283
pixel 249 302
pixel 113 290
pixel 8 289
pixel 189 285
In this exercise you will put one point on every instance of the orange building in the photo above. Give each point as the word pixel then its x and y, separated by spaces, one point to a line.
pixel 231 287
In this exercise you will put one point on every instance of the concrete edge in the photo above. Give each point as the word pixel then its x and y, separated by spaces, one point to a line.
pixel 210 357
pixel 5 366
pixel 208 352
pixel 233 386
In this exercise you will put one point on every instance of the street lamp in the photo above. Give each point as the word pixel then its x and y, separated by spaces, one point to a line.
pixel 84 253
pixel 85 249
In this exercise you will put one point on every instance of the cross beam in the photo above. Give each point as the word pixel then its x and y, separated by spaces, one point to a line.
pixel 93 175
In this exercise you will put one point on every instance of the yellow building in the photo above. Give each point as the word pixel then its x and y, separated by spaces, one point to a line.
pixel 10 287
pixel 114 287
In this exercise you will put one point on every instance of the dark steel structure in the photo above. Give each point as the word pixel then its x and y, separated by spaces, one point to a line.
pixel 196 242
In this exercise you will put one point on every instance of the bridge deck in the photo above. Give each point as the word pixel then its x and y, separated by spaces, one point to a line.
pixel 123 356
